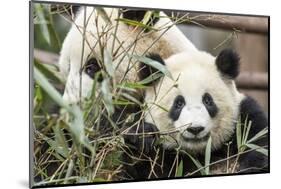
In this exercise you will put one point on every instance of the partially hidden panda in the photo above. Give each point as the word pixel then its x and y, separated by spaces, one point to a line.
pixel 199 101
pixel 121 38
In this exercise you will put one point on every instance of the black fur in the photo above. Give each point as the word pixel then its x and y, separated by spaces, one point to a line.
pixel 168 160
pixel 210 105
pixel 91 68
pixel 228 63
pixel 175 111
pixel 138 134
pixel 138 15
pixel 250 110
pixel 133 14
pixel 142 151
pixel 146 70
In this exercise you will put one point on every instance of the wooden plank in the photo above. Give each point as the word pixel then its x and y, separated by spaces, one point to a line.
pixel 249 24
pixel 252 80
pixel 46 57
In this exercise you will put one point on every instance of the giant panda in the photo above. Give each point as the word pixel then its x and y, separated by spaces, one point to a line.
pixel 199 102
pixel 121 39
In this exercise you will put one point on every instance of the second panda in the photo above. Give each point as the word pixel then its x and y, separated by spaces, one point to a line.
pixel 82 55
pixel 199 102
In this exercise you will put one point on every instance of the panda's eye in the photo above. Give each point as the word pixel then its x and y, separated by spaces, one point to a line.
pixel 91 68
pixel 210 104
pixel 208 100
pixel 179 102
pixel 177 107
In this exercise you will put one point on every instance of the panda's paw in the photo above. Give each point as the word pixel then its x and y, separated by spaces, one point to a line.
pixel 142 137
pixel 253 162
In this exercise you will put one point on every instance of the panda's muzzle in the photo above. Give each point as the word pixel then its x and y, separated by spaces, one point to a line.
pixel 195 130
pixel 195 138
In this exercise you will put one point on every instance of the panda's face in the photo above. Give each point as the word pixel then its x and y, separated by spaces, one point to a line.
pixel 200 103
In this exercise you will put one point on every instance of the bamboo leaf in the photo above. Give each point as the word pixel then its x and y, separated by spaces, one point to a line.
pixel 136 23
pixel 244 126
pixel 39 10
pixel 45 20
pixel 50 74
pixel 161 107
pixel 126 88
pixel 52 92
pixel 107 96
pixel 131 98
pixel 69 171
pixel 208 155
pixel 258 149
pixel 122 102
pixel 197 164
pixel 54 145
pixel 103 14
pixel 247 132
pixel 60 140
pixel 147 17
pixel 131 86
pixel 108 63
pixel 238 135
pixel 258 135
pixel 179 172
pixel 151 78
pixel 154 64
pixel 77 125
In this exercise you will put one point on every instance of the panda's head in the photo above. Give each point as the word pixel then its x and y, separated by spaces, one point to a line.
pixel 200 101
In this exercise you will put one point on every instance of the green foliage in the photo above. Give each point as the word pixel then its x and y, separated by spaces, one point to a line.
pixel 180 172
pixel 163 69
pixel 69 146
pixel 208 156
pixel 244 142
pixel 44 20
pixel 136 23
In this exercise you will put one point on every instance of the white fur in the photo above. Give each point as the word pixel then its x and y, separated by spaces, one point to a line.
pixel 195 73
pixel 173 41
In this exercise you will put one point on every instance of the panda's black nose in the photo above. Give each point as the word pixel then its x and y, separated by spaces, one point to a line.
pixel 195 130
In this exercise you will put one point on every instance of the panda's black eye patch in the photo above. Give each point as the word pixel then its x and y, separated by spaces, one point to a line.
pixel 210 104
pixel 178 104
pixel 91 68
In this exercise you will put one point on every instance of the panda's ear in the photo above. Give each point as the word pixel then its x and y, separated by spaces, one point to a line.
pixel 133 14
pixel 146 70
pixel 228 64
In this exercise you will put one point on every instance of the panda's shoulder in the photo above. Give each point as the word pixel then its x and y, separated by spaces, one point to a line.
pixel 252 111
pixel 249 106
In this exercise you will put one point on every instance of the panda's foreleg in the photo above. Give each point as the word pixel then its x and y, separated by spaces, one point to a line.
pixel 139 141
pixel 142 137
pixel 254 161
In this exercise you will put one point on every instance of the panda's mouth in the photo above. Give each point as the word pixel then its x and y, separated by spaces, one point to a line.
pixel 195 139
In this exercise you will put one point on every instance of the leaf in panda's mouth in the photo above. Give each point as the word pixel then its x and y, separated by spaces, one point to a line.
pixel 196 139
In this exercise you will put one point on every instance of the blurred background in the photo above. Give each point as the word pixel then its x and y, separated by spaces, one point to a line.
pixel 248 35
